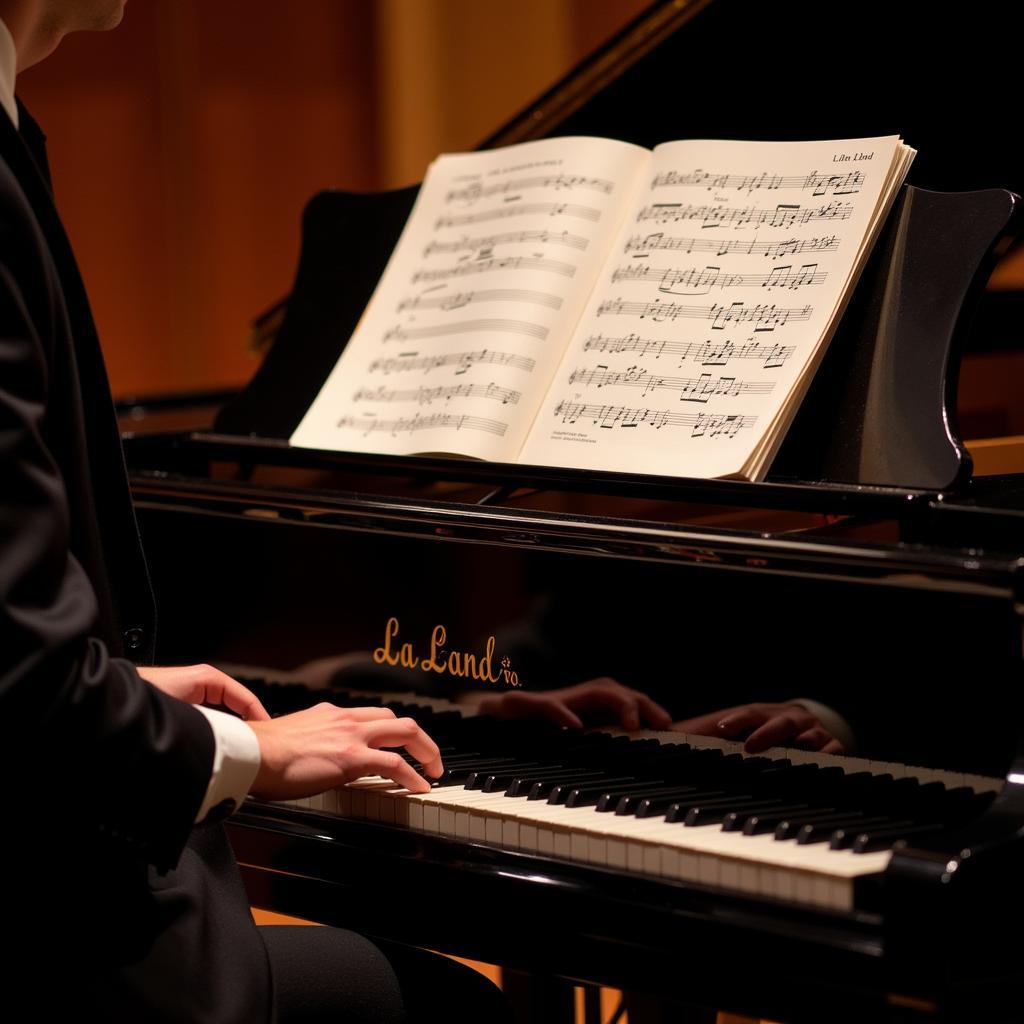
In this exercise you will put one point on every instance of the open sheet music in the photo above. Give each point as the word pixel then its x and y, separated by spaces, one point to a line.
pixel 585 302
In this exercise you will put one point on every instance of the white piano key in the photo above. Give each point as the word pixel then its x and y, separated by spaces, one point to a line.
pixel 492 832
pixel 527 837
pixel 546 841
pixel 510 834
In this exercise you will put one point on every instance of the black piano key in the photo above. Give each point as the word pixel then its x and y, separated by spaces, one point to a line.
pixel 480 776
pixel 714 813
pixel 788 828
pixel 560 793
pixel 590 794
pixel 883 838
pixel 894 795
pixel 760 822
pixel 628 804
pixel 456 774
pixel 541 789
pixel 822 831
pixel 657 807
pixel 677 812
pixel 543 781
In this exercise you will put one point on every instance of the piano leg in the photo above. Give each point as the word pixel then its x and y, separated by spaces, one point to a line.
pixel 591 1004
pixel 649 1009
pixel 539 998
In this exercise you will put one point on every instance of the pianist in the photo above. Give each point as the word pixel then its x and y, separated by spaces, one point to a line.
pixel 114 903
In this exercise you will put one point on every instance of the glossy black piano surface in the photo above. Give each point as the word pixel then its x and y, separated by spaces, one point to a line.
pixel 898 607
pixel 701 606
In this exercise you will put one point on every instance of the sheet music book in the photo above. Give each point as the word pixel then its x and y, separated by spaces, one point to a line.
pixel 588 303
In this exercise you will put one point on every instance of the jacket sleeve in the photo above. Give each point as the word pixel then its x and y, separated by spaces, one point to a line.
pixel 131 763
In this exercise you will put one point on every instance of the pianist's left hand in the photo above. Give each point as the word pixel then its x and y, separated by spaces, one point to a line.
pixel 204 684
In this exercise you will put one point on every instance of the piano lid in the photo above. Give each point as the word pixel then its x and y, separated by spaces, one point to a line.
pixel 750 70
pixel 744 69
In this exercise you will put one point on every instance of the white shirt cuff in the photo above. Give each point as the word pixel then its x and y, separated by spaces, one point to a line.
pixel 830 720
pixel 236 760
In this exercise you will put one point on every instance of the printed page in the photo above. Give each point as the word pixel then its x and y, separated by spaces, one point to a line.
pixel 471 317
pixel 723 281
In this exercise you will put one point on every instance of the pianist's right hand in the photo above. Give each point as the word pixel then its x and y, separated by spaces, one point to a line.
pixel 325 746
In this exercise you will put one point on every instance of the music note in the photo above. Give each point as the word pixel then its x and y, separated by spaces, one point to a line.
pixel 817 184
pixel 608 417
pixel 590 213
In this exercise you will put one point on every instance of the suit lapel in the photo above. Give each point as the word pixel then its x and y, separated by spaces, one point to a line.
pixel 25 154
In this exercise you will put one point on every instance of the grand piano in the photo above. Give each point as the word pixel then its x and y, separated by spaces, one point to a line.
pixel 871 573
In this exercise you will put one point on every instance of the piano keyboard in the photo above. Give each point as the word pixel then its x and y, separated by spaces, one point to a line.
pixel 789 825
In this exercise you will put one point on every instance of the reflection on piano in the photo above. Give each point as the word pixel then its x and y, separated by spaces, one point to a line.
pixel 869 573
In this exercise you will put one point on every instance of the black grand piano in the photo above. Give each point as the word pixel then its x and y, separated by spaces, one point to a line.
pixel 870 573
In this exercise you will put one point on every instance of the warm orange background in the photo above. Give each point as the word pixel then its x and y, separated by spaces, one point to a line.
pixel 185 144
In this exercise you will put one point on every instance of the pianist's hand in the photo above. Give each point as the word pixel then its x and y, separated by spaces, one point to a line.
pixel 326 746
pixel 597 701
pixel 204 684
pixel 764 726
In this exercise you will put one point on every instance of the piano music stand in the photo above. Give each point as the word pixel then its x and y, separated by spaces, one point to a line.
pixel 880 413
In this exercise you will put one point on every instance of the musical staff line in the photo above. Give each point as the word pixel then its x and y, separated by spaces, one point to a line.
pixel 460 299
pixel 558 182
pixel 784 215
pixel 722 247
pixel 467 326
pixel 524 209
pixel 465 243
pixel 462 360
pixel 706 353
pixel 691 389
pixel 608 417
pixel 410 424
pixel 762 316
pixel 500 263
pixel 427 396
pixel 816 183
pixel 708 277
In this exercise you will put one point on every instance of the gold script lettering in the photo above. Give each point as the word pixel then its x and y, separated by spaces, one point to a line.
pixel 437 639
pixel 464 664
pixel 486 671
pixel 383 653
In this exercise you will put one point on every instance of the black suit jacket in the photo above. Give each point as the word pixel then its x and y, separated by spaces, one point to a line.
pixel 107 774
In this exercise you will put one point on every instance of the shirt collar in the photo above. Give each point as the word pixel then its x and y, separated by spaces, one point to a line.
pixel 8 72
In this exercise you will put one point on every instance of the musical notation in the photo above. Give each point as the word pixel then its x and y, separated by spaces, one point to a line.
pixel 706 353
pixel 815 183
pixel 427 396
pixel 699 281
pixel 556 182
pixel 784 215
pixel 467 244
pixel 498 263
pixel 608 417
pixel 458 300
pixel 523 209
pixel 462 361
pixel 761 317
pixel 411 424
pixel 691 389
pixel 467 327
pixel 724 246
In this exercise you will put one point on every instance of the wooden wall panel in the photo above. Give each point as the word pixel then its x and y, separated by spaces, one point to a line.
pixel 185 144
